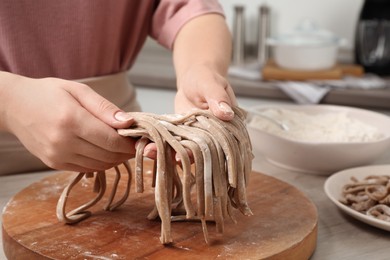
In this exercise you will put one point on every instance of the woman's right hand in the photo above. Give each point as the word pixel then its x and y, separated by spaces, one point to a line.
pixel 64 123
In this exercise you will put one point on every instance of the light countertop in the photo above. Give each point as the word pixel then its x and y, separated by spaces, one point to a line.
pixel 339 236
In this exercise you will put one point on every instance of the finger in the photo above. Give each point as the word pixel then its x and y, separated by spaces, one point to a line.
pixel 99 134
pixel 150 151
pixel 190 155
pixel 92 164
pixel 78 168
pixel 220 102
pixel 78 147
pixel 74 168
pixel 99 106
pixel 81 164
pixel 97 153
pixel 184 105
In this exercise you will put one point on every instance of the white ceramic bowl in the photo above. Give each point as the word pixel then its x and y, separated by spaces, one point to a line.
pixel 307 48
pixel 321 158
pixel 305 58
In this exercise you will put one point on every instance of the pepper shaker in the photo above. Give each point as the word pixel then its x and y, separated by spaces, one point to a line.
pixel 262 34
pixel 238 36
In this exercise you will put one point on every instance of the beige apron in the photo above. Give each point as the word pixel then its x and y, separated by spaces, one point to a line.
pixel 14 158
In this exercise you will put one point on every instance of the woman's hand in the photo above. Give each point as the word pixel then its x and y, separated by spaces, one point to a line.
pixel 202 87
pixel 65 124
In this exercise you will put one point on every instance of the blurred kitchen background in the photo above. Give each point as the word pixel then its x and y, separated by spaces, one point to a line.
pixel 339 17
pixel 359 75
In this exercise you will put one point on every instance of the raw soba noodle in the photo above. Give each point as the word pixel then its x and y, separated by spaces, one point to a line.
pixel 222 155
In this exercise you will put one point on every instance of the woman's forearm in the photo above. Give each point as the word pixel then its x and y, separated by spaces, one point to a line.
pixel 204 40
pixel 8 81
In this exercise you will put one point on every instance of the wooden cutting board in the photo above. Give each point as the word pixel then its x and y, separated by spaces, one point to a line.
pixel 271 71
pixel 284 226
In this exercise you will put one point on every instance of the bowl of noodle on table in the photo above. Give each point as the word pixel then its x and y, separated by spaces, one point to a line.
pixel 320 139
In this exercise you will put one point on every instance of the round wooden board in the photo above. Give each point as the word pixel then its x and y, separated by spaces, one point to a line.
pixel 284 225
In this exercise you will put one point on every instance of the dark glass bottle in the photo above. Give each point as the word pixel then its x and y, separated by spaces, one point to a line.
pixel 372 38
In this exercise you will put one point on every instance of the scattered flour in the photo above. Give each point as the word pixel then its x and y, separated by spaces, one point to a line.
pixel 324 128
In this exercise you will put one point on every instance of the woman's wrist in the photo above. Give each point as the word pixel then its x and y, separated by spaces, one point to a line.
pixel 8 83
pixel 204 41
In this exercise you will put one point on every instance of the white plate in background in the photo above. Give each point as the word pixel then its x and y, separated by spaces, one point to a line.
pixel 334 185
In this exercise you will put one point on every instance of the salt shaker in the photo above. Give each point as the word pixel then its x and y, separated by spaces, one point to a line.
pixel 238 36
pixel 262 34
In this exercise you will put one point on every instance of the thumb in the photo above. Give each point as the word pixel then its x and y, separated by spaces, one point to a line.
pixel 219 102
pixel 100 107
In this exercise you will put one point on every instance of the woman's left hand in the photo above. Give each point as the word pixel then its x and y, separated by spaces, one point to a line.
pixel 203 87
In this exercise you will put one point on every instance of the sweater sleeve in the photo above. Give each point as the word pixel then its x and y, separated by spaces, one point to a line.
pixel 171 15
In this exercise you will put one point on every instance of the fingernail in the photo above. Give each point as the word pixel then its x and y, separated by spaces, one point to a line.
pixel 122 116
pixel 226 108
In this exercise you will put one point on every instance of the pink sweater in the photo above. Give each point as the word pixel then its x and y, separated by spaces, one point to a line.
pixel 84 38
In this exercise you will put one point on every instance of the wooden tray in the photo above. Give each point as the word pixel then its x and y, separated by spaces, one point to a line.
pixel 271 71
pixel 284 226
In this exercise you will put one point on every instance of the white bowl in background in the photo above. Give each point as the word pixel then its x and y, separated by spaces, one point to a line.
pixel 322 158
pixel 307 48
pixel 305 58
